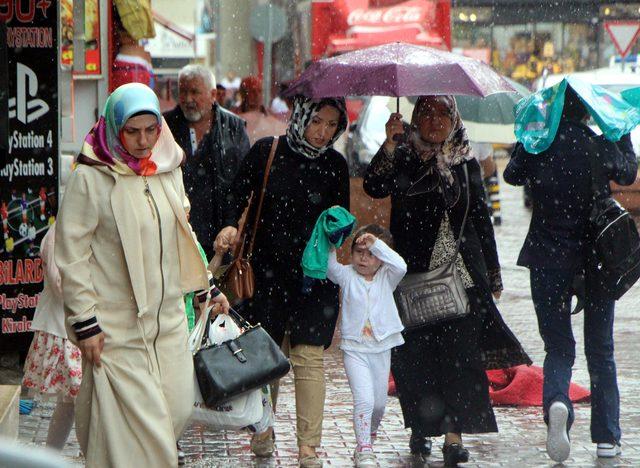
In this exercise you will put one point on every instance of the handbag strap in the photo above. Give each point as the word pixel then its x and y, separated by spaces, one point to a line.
pixel 240 320
pixel 242 234
pixel 267 170
pixel 466 212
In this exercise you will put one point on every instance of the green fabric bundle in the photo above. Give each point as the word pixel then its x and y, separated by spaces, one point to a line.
pixel 332 228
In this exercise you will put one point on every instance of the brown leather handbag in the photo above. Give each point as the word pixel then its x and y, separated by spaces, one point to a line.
pixel 239 280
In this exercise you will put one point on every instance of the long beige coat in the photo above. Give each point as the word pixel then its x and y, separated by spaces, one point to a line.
pixel 119 264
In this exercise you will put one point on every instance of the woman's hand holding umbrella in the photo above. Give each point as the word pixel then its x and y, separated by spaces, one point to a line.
pixel 395 130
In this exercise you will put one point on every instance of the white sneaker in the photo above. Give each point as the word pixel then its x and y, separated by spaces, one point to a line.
pixel 558 444
pixel 605 450
pixel 366 458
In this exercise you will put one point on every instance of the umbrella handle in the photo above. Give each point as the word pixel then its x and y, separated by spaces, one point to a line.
pixel 399 138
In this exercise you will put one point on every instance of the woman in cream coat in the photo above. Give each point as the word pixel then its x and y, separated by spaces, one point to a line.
pixel 127 256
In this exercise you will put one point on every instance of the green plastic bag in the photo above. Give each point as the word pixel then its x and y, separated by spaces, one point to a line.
pixel 632 96
pixel 538 115
pixel 188 298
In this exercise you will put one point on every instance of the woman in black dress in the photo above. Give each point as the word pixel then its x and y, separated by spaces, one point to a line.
pixel 307 177
pixel 440 370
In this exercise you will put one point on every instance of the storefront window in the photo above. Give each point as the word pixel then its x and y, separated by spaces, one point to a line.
pixel 513 47
pixel 547 40
pixel 524 51
pixel 472 28
pixel 473 40
pixel 471 34
pixel 579 51
pixel 548 47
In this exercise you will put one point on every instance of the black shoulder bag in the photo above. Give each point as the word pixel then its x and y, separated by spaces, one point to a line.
pixel 613 240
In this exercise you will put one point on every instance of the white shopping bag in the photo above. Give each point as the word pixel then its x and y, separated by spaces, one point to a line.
pixel 234 414
pixel 268 418
pixel 223 328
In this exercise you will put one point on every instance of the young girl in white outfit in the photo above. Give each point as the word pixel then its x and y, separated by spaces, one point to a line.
pixel 370 328
pixel 54 365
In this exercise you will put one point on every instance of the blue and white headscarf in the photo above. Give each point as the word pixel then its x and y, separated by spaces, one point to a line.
pixel 103 145
pixel 304 109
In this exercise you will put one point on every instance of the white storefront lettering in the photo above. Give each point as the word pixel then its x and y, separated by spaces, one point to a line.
pixel 393 15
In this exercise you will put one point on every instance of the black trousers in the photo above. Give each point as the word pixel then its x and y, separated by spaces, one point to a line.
pixel 440 377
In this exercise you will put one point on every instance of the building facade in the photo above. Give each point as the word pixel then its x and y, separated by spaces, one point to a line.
pixel 521 38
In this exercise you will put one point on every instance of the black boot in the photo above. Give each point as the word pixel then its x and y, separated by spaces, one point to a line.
pixel 420 445
pixel 454 454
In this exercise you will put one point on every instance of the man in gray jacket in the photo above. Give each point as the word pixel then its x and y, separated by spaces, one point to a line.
pixel 215 142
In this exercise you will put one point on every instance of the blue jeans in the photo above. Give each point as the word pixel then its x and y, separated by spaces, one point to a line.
pixel 550 291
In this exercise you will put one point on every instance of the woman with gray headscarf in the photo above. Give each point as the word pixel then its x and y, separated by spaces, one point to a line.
pixel 307 177
pixel 440 370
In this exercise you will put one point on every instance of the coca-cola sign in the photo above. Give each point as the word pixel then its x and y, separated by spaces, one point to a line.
pixel 394 15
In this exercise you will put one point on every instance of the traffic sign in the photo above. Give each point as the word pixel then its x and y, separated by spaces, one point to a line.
pixel 623 34
pixel 268 23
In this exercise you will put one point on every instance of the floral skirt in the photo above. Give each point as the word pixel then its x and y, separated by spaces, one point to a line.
pixel 53 366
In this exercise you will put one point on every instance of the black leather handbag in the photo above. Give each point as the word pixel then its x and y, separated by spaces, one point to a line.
pixel 236 366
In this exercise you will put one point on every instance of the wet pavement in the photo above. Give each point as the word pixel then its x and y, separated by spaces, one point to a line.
pixel 521 441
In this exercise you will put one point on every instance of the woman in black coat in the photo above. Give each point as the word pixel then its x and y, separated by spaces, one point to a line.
pixel 555 251
pixel 440 370
pixel 307 177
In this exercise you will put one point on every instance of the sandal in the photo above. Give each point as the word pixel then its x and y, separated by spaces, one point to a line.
pixel 262 446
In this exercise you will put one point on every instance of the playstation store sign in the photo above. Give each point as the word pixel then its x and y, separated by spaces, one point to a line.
pixel 29 165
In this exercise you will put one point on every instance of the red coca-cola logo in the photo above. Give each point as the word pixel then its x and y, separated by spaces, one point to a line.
pixel 393 15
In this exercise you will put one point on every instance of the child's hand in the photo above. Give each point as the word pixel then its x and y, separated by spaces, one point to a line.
pixel 366 240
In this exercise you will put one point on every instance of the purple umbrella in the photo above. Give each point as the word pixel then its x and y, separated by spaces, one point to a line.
pixel 398 69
